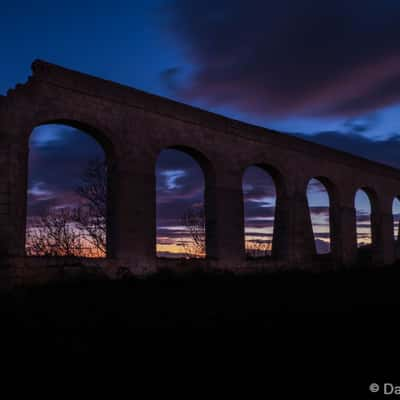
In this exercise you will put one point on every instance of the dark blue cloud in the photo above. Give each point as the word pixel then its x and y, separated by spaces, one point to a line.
pixel 385 151
pixel 58 157
pixel 258 186
pixel 291 57
pixel 180 186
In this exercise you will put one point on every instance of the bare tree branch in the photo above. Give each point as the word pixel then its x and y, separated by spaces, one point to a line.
pixel 54 235
pixel 193 220
pixel 92 214
pixel 80 231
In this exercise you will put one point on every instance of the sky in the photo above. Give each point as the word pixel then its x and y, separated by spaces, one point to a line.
pixel 327 72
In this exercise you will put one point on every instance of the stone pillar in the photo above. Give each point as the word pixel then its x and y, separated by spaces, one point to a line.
pixel 133 216
pixel 281 235
pixel 382 232
pixel 13 198
pixel 293 239
pixel 4 199
pixel 4 183
pixel 14 147
pixel 344 234
pixel 343 228
pixel 224 219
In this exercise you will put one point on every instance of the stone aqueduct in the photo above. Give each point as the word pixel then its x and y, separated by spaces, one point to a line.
pixel 134 127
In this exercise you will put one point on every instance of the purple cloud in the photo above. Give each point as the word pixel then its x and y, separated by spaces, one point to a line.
pixel 254 210
pixel 180 186
pixel 289 57
pixel 259 223
pixel 319 210
pixel 58 157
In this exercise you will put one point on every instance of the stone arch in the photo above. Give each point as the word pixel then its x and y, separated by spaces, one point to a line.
pixel 396 225
pixel 373 198
pixel 396 216
pixel 204 162
pixel 102 141
pixel 267 236
pixel 276 174
pixel 206 214
pixel 259 202
pixel 365 204
pixel 330 187
pixel 100 134
pixel 320 203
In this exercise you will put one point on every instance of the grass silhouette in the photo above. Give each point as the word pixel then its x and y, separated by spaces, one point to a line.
pixel 200 299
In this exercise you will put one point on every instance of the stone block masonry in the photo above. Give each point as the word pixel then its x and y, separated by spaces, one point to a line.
pixel 134 127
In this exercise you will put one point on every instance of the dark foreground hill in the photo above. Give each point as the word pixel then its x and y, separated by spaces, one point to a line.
pixel 202 300
pixel 355 312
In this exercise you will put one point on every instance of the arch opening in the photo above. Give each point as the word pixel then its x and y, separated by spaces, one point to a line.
pixel 396 222
pixel 362 204
pixel 67 187
pixel 396 218
pixel 259 200
pixel 180 205
pixel 319 206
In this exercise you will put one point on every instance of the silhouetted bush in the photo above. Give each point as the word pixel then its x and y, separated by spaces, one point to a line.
pixel 94 313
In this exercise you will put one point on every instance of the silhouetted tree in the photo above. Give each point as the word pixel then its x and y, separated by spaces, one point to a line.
pixel 74 231
pixel 91 216
pixel 54 234
pixel 193 220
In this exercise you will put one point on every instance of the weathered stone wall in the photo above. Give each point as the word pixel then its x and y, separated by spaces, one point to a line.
pixel 134 127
